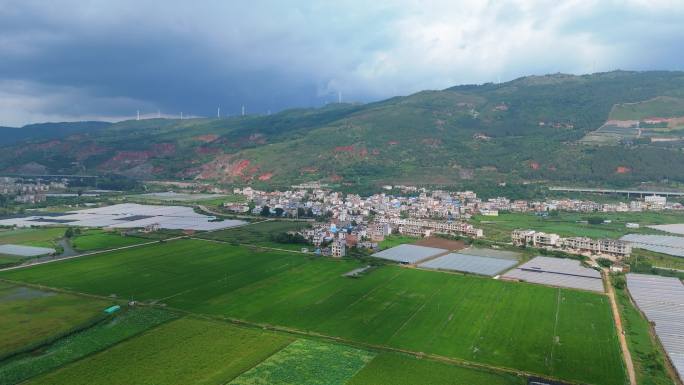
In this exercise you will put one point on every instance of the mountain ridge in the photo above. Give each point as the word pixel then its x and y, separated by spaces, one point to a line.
pixel 527 129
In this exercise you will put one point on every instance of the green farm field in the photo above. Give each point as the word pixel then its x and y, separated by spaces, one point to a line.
pixel 528 327
pixel 41 237
pixel 73 347
pixel 567 224
pixel 258 234
pixel 10 260
pixel 30 315
pixel 396 240
pixel 306 362
pixel 185 351
pixel 396 369
pixel 101 240
pixel 649 361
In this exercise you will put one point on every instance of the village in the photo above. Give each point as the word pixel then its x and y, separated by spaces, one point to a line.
pixel 349 220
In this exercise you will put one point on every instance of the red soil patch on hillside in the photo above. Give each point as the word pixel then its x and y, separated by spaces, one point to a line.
pixel 226 168
pixel 162 149
pixel 622 170
pixel 344 149
pixel 534 165
pixel 309 170
pixel 392 142
pixel 206 138
pixel 201 150
pixel 335 178
pixel 46 145
pixel 90 150
pixel 266 176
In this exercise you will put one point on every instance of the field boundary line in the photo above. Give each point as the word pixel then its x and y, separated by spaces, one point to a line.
pixel 311 334
pixel 93 253
pixel 376 347
pixel 555 329
pixel 626 354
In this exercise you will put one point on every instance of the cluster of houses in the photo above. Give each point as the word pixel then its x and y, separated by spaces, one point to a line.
pixel 418 203
pixel 577 245
pixel 354 221
pixel 28 191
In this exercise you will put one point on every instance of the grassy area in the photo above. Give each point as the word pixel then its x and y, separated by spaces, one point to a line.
pixel 185 351
pixel 259 234
pixel 397 369
pixel 41 237
pixel 568 224
pixel 657 259
pixel 10 260
pixel 101 240
pixel 396 240
pixel 31 315
pixel 306 362
pixel 529 327
pixel 76 346
pixel 649 361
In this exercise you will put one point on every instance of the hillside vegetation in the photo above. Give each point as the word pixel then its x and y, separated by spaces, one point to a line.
pixel 527 129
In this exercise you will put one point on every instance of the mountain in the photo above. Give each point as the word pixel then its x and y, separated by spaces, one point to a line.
pixel 46 131
pixel 530 129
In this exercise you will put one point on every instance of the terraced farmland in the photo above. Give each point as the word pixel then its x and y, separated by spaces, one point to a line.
pixel 562 333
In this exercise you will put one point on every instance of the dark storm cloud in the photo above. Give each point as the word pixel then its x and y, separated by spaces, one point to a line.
pixel 90 59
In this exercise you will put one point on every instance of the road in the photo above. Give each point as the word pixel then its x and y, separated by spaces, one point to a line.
pixel 620 330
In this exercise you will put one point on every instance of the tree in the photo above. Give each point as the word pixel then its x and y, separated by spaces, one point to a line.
pixel 279 212
pixel 265 211
pixel 595 220
pixel 69 233
pixel 301 212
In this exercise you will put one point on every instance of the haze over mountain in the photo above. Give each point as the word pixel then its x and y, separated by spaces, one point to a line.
pixel 560 128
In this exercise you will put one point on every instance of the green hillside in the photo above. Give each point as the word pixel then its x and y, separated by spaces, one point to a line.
pixel 660 107
pixel 528 129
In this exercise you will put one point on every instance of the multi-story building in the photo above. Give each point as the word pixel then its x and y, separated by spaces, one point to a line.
pixel 338 248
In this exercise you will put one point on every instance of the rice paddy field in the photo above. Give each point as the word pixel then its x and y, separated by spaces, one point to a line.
pixel 396 369
pixel 102 240
pixel 185 351
pixel 562 333
pixel 28 315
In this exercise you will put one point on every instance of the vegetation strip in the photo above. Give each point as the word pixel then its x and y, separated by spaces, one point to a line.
pixel 307 362
pixel 81 344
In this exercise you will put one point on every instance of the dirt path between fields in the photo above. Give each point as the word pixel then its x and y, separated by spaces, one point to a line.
pixel 620 330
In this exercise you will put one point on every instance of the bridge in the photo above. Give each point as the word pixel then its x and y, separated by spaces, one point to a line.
pixel 640 193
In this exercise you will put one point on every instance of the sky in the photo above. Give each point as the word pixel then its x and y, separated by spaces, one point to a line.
pixel 79 60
